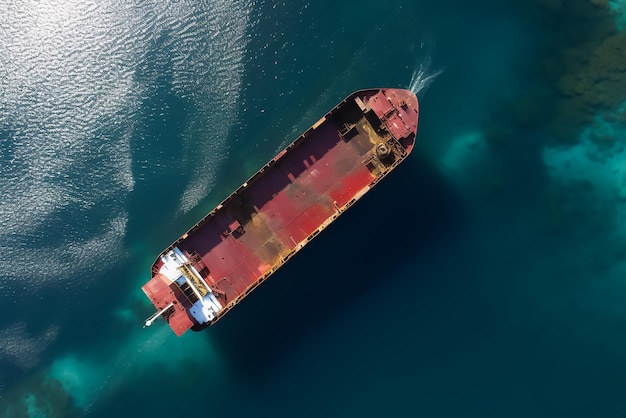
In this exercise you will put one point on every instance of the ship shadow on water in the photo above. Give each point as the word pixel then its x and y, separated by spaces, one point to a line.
pixel 407 212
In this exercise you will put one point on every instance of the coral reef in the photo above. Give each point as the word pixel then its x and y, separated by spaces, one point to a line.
pixel 38 396
pixel 595 79
pixel 580 70
pixel 591 56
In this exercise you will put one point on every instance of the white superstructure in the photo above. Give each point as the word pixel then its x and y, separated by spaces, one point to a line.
pixel 177 268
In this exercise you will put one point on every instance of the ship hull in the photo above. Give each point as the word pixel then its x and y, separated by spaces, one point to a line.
pixel 282 207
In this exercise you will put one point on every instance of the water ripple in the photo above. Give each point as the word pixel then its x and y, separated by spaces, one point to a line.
pixel 22 349
pixel 69 98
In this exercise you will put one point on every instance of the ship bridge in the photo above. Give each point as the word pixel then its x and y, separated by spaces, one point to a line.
pixel 182 286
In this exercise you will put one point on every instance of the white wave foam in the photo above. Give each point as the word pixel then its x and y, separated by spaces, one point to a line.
pixel 423 76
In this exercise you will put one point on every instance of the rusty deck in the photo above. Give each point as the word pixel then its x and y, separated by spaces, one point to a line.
pixel 290 200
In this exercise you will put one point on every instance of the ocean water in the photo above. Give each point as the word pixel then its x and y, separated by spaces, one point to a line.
pixel 485 278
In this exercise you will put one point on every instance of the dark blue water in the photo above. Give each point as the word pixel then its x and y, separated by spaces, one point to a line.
pixel 484 278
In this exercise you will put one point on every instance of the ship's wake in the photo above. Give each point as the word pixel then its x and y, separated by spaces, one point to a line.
pixel 424 74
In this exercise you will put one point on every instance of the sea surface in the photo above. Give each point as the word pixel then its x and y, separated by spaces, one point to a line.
pixel 486 277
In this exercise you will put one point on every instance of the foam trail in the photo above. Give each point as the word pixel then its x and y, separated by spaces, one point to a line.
pixel 424 75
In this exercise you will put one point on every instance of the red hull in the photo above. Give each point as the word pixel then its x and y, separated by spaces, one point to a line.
pixel 288 202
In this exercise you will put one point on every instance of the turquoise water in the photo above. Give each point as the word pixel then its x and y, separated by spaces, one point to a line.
pixel 484 278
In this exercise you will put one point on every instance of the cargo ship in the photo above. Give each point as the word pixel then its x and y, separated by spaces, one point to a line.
pixel 233 249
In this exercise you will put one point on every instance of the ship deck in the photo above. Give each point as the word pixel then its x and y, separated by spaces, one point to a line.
pixel 297 194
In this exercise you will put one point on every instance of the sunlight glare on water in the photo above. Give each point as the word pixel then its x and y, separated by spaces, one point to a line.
pixel 73 83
